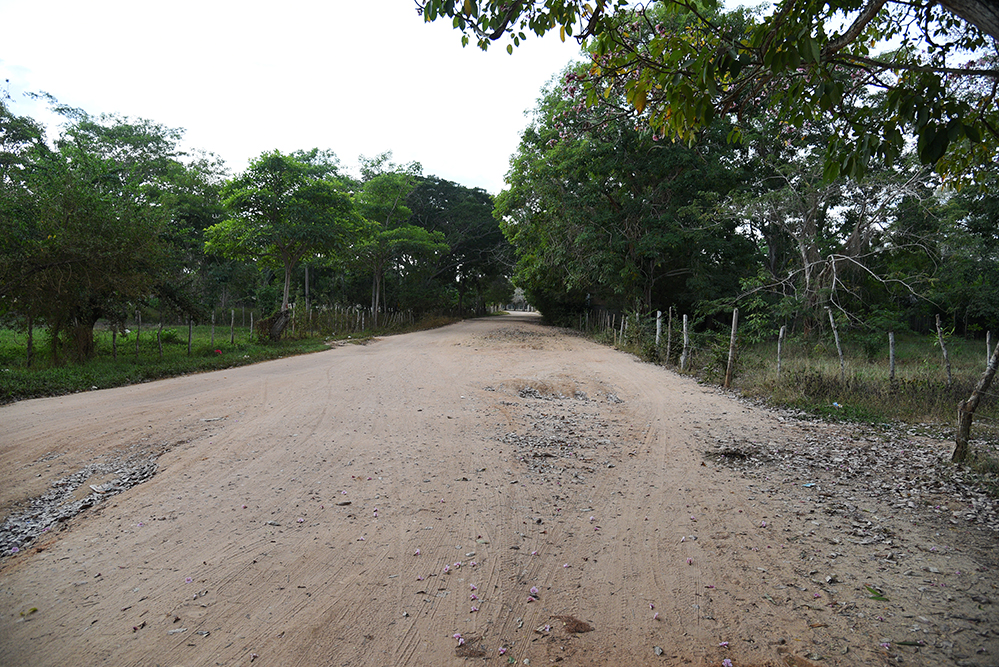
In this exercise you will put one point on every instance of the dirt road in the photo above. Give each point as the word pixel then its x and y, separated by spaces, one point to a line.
pixel 493 489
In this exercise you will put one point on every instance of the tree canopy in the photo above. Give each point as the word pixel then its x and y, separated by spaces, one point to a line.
pixel 85 229
pixel 878 70
pixel 287 208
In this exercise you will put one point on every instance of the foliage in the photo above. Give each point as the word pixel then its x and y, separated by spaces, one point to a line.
pixel 479 258
pixel 287 208
pixel 86 230
pixel 393 243
pixel 934 65
pixel 597 207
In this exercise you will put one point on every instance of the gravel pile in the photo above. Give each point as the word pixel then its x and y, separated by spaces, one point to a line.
pixel 71 495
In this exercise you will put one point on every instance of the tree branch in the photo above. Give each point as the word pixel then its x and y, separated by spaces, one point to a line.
pixel 865 17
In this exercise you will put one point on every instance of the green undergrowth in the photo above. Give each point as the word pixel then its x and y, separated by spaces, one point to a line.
pixel 45 378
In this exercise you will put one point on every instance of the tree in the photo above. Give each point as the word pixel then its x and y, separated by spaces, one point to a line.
pixel 838 243
pixel 382 201
pixel 596 207
pixel 85 235
pixel 479 259
pixel 287 208
pixel 934 67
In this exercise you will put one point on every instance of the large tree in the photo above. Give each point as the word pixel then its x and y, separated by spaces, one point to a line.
pixel 479 259
pixel 287 208
pixel 596 207
pixel 935 65
pixel 84 230
pixel 393 242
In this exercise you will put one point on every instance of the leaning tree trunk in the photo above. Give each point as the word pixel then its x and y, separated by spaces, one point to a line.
pixel 966 409
pixel 278 324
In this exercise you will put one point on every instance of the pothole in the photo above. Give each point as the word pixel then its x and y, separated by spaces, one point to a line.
pixel 71 495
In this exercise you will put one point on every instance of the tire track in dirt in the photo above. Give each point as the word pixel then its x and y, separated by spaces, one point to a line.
pixel 508 423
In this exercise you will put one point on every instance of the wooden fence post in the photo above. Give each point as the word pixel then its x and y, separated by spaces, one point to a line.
pixel 669 333
pixel 780 343
pixel 943 348
pixel 891 357
pixel 686 346
pixel 232 327
pixel 659 327
pixel 731 349
pixel 988 347
pixel 839 348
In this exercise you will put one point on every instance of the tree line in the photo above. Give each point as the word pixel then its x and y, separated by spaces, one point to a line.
pixel 700 160
pixel 111 216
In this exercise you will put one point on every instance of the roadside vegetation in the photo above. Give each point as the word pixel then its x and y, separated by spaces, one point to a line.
pixel 810 380
pixel 168 356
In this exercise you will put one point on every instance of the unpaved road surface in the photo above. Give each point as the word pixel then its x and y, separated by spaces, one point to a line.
pixel 496 481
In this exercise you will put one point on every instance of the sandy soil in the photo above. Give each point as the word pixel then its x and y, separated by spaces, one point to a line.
pixel 495 481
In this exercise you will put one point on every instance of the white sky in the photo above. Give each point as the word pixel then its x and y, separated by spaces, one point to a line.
pixel 242 77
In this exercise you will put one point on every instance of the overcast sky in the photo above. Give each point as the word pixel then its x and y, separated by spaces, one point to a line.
pixel 355 76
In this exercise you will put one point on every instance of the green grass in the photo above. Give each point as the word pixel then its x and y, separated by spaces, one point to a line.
pixel 17 382
pixel 810 377
pixel 46 379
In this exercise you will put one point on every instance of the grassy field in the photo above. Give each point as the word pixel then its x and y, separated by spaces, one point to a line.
pixel 131 366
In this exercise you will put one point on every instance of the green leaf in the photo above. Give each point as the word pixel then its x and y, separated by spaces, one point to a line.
pixel 831 171
pixel 876 594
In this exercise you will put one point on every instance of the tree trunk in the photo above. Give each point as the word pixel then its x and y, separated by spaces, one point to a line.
pixel 376 285
pixel 82 335
pixel 839 348
pixel 966 409
pixel 287 288
pixel 31 341
pixel 983 14
pixel 278 325
pixel 891 358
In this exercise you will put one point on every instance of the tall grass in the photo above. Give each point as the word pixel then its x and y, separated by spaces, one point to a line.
pixel 810 379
